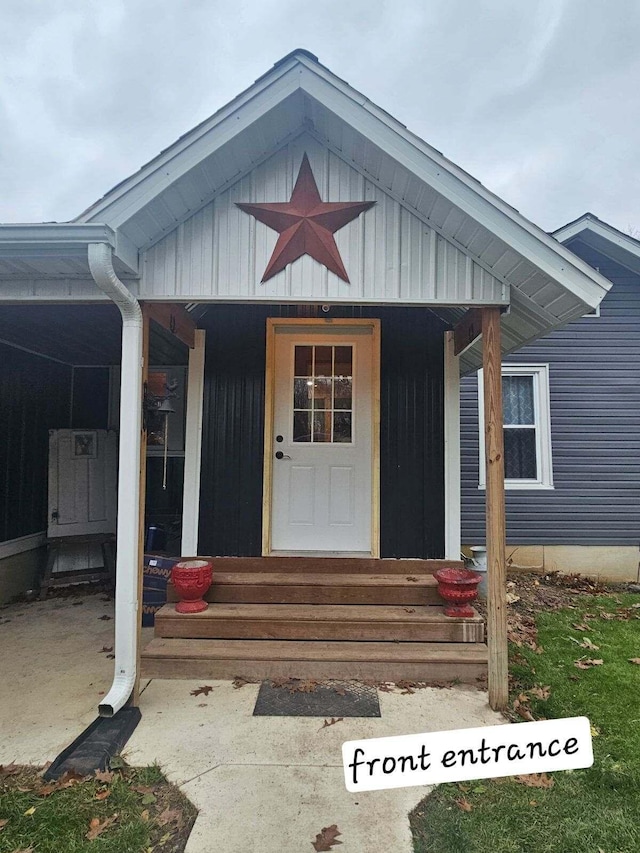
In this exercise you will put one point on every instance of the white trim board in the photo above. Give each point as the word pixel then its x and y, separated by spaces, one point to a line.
pixel 452 532
pixel 544 455
pixel 22 544
pixel 193 445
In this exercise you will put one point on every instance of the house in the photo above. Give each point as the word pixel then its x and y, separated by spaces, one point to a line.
pixel 322 277
pixel 572 428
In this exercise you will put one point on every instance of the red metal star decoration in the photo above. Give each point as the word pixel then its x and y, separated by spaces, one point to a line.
pixel 306 224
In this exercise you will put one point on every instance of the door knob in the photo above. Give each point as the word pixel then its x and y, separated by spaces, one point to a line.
pixel 281 455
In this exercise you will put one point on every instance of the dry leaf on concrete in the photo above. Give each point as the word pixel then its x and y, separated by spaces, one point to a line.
pixel 330 722
pixel 326 838
pixel 202 691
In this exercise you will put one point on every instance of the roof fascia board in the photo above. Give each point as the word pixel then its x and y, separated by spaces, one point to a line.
pixel 43 235
pixel 462 190
pixel 122 202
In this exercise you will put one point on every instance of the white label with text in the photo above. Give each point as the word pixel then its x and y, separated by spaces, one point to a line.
pixel 482 753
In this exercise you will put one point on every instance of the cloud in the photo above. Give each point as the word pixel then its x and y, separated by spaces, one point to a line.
pixel 538 101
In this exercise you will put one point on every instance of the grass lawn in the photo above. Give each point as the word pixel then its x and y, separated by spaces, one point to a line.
pixel 126 811
pixel 584 811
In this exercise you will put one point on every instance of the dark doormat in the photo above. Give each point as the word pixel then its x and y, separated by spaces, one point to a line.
pixel 326 699
pixel 98 743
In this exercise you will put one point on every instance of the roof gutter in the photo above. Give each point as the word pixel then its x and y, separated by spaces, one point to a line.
pixel 128 525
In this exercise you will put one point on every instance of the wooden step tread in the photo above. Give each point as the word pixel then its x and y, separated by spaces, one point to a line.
pixel 310 579
pixel 318 612
pixel 330 565
pixel 309 650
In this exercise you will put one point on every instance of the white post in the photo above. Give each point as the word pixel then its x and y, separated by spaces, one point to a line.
pixel 193 446
pixel 452 535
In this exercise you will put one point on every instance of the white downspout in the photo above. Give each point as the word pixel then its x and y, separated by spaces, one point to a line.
pixel 126 626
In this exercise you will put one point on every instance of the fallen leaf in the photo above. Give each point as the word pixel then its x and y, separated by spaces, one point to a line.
pixel 536 780
pixel 512 598
pixel 69 778
pixel 104 776
pixel 239 682
pixel 107 649
pixel 104 618
pixel 409 610
pixel 331 722
pixel 165 838
pixel 110 657
pixel 594 731
pixel 412 579
pixel 148 799
pixel 587 663
pixel 97 826
pixel 3 823
pixel 169 816
pixel 47 790
pixel 634 660
pixel 581 627
pixel 202 691
pixel 587 644
pixel 541 692
pixel 143 789
pixel 116 763
pixel 30 811
pixel 9 769
pixel 463 805
pixel 326 838
pixel 144 815
pixel 533 803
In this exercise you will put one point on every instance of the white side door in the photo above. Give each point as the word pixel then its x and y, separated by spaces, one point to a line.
pixel 83 470
pixel 322 440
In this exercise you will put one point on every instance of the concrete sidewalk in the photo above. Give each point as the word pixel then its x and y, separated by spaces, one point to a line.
pixel 263 784
pixel 270 784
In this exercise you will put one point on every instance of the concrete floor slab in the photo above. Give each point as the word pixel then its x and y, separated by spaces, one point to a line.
pixel 267 784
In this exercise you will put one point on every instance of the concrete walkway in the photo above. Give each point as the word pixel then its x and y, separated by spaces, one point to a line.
pixel 263 784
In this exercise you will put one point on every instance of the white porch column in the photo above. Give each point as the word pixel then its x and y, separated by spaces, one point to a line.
pixel 193 447
pixel 452 535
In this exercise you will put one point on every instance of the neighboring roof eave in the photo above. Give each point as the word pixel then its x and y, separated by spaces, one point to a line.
pixel 603 237
pixel 300 70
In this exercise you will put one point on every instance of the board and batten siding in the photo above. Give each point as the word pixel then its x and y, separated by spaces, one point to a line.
pixel 35 396
pixel 391 255
pixel 411 429
pixel 594 378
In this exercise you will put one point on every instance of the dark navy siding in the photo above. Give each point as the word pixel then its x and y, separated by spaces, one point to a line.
pixel 594 378
pixel 412 475
pixel 35 396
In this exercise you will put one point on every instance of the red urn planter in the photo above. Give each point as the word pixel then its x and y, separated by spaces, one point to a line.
pixel 191 579
pixel 458 587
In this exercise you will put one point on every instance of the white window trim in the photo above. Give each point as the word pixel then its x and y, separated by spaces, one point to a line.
pixel 540 373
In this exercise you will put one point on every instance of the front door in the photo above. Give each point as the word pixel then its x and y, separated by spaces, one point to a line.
pixel 322 438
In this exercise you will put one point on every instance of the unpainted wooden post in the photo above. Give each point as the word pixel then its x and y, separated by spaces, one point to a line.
pixel 495 511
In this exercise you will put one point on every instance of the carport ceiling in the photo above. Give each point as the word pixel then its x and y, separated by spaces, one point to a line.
pixel 80 334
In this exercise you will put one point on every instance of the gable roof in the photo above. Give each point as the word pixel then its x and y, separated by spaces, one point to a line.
pixel 604 238
pixel 547 284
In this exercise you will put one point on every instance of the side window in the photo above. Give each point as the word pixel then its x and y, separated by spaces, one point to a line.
pixel 527 427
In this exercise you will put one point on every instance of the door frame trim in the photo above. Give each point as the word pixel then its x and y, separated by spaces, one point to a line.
pixel 272 324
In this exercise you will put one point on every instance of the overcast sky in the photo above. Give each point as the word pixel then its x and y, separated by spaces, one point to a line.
pixel 539 99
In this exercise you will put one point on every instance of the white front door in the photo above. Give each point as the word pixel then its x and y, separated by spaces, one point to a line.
pixel 322 439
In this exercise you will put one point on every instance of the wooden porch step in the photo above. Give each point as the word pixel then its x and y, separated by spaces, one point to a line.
pixel 320 588
pixel 330 565
pixel 319 622
pixel 260 659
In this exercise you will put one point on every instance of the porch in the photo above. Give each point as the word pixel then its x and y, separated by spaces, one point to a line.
pixel 374 620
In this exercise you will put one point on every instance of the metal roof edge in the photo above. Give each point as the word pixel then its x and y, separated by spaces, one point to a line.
pixel 55 234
